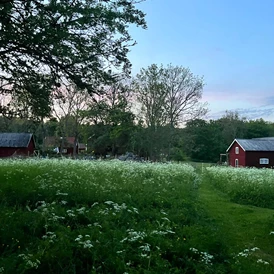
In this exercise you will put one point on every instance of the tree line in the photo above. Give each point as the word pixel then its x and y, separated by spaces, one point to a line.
pixel 110 127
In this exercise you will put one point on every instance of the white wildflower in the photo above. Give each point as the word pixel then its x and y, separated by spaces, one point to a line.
pixel 30 261
pixel 262 262
pixel 109 202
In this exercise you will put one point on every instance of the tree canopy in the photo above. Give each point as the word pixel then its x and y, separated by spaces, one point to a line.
pixel 169 95
pixel 44 43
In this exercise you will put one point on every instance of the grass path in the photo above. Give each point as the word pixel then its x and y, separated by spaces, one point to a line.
pixel 242 226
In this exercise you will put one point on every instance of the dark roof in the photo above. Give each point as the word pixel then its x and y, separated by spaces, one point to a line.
pixel 256 144
pixel 15 139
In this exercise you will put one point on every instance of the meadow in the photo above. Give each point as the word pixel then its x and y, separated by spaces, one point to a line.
pixel 245 185
pixel 69 216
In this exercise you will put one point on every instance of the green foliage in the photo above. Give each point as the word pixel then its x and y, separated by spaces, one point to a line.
pixel 104 217
pixel 117 217
pixel 199 136
pixel 17 125
pixel 112 121
pixel 44 42
pixel 168 97
pixel 247 230
pixel 259 128
pixel 244 185
pixel 109 127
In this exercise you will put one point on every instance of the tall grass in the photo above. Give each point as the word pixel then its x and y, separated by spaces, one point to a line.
pixel 244 185
pixel 67 216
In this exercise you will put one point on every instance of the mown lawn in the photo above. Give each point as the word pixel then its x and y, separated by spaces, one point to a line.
pixel 246 230
pixel 67 216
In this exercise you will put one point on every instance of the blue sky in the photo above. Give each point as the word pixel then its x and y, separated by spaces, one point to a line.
pixel 230 43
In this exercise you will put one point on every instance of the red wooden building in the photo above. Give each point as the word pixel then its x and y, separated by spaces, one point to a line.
pixel 257 152
pixel 67 144
pixel 16 144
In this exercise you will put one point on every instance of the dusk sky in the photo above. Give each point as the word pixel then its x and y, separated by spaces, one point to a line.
pixel 229 42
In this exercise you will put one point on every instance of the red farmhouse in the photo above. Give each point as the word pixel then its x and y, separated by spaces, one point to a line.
pixel 14 144
pixel 52 142
pixel 257 152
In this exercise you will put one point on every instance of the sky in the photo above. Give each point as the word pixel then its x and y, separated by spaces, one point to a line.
pixel 228 42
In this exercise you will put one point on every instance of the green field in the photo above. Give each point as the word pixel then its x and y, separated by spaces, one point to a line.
pixel 68 216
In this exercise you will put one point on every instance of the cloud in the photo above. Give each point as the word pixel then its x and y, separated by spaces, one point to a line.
pixel 222 100
pixel 266 113
pixel 268 101
pixel 249 104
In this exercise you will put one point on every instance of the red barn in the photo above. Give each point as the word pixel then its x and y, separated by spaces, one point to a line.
pixel 15 144
pixel 257 152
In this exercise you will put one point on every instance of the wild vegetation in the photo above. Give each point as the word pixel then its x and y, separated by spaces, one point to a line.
pixel 247 186
pixel 69 216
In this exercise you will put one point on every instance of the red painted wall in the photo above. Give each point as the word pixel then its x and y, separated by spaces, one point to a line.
pixel 69 150
pixel 233 156
pixel 253 158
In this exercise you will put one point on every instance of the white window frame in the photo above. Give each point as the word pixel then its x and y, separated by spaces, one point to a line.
pixel 237 150
pixel 264 161
pixel 65 150
pixel 236 162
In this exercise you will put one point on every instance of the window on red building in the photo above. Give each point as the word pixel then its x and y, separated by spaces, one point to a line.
pixel 236 150
pixel 264 161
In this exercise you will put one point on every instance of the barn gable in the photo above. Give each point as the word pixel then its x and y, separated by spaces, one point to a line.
pixel 235 141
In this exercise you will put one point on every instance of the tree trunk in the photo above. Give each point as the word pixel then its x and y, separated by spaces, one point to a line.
pixel 75 145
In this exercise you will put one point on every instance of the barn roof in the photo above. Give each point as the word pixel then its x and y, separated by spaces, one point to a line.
pixel 15 139
pixel 256 144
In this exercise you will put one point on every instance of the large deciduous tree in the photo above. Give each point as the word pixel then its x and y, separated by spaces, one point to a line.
pixel 83 41
pixel 184 92
pixel 168 96
pixel 151 95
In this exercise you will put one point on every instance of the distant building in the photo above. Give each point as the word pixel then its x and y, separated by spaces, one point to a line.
pixel 65 144
pixel 16 144
pixel 257 152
